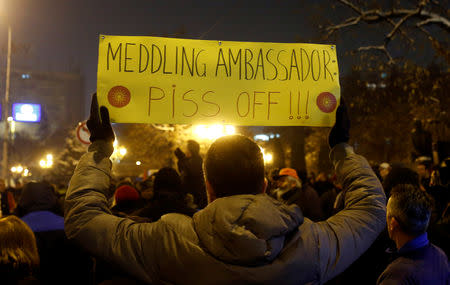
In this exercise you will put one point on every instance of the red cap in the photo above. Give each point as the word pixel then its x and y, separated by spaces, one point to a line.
pixel 126 193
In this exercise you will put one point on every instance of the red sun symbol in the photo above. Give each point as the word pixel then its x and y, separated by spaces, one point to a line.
pixel 119 96
pixel 326 102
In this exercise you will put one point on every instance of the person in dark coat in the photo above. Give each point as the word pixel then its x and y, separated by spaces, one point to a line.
pixel 417 260
pixel 38 207
pixel 190 166
pixel 243 236
pixel 8 204
pixel 169 196
pixel 291 191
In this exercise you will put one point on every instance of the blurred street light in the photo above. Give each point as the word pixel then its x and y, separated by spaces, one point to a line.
pixel 138 162
pixel 47 162
pixel 213 132
pixel 122 151
pixel 119 152
pixel 268 157
pixel 19 169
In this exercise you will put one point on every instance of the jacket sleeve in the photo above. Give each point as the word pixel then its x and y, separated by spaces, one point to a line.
pixel 345 236
pixel 89 221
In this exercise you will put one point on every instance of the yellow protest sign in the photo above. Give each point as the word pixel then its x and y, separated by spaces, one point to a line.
pixel 180 81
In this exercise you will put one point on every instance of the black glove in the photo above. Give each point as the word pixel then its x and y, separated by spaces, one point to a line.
pixel 100 130
pixel 340 133
pixel 179 153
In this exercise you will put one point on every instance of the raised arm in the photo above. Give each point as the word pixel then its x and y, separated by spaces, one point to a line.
pixel 88 219
pixel 349 233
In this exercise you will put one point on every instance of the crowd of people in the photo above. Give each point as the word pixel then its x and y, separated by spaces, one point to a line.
pixel 225 220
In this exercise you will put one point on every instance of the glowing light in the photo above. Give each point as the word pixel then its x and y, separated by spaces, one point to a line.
pixel 118 153
pixel 261 137
pixel 26 112
pixel 268 157
pixel 19 169
pixel 230 130
pixel 47 162
pixel 26 172
pixel 13 169
pixel 13 127
pixel 122 151
pixel 213 132
pixel 138 162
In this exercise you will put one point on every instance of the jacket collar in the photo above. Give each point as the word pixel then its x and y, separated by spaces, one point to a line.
pixel 417 242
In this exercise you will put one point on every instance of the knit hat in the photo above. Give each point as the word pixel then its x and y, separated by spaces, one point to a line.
pixel 126 193
pixel 287 172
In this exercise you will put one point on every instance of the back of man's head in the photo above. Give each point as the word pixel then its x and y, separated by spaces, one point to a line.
pixel 234 165
pixel 411 207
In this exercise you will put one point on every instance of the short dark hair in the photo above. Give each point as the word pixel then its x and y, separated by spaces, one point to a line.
pixel 411 207
pixel 234 165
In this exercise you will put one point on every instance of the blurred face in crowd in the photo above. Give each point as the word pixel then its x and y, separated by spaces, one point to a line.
pixel 384 172
pixel 285 183
pixel 422 171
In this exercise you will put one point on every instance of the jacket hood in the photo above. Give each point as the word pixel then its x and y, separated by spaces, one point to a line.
pixel 246 229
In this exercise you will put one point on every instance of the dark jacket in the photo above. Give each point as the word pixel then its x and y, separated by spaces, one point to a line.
pixel 307 199
pixel 59 257
pixel 7 203
pixel 165 202
pixel 418 262
pixel 241 239
pixel 192 178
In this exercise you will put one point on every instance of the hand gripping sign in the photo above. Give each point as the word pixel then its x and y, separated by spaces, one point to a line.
pixel 179 81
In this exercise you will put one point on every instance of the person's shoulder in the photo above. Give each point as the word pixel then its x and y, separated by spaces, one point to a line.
pixel 401 269
pixel 438 253
pixel 180 224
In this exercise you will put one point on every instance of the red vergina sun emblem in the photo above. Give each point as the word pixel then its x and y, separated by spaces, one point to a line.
pixel 326 102
pixel 119 96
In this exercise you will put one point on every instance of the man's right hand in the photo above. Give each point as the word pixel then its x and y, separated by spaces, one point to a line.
pixel 340 133
pixel 99 127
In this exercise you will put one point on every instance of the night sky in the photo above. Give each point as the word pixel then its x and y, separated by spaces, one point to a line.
pixel 62 35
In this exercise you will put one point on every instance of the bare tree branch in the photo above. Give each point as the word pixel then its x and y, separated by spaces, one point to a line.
pixel 399 23
pixel 397 18
pixel 381 48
